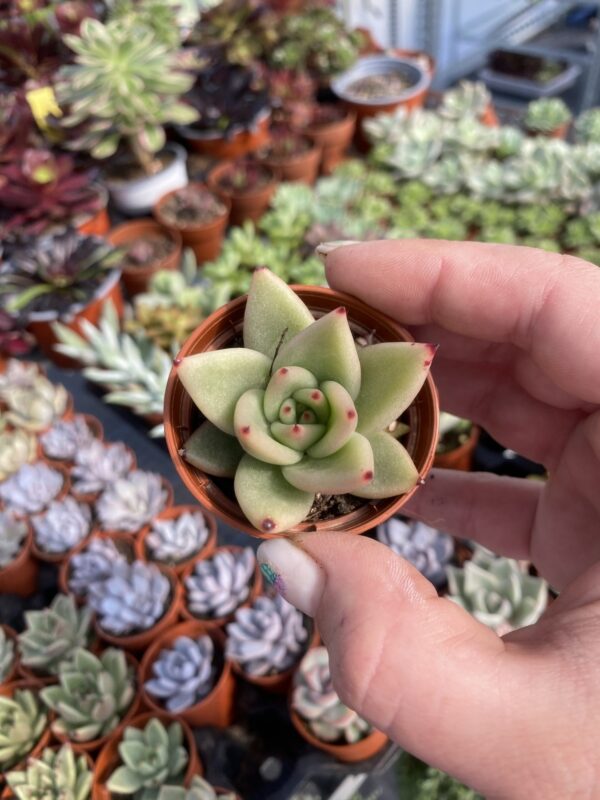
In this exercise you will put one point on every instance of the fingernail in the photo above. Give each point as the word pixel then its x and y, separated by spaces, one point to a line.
pixel 325 248
pixel 293 574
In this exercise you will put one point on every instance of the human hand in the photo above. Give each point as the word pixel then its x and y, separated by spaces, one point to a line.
pixel 517 716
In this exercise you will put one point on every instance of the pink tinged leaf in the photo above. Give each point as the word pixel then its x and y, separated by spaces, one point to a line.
pixel 315 400
pixel 287 412
pixel 284 382
pixel 395 472
pixel 298 437
pixel 342 420
pixel 252 431
pixel 342 472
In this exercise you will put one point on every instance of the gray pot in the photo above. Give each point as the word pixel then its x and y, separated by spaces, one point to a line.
pixel 410 70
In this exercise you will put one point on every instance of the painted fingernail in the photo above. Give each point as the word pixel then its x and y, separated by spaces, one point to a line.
pixel 325 248
pixel 293 574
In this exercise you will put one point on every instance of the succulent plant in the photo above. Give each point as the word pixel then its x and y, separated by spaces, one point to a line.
pixel 221 583
pixel 34 404
pixel 497 592
pixel 151 757
pixel 53 634
pixel 92 696
pixel 7 655
pixel 452 432
pixel 12 537
pixel 238 29
pixel 97 465
pixel 468 99
pixel 300 410
pixel 199 789
pixel 131 502
pixel 32 488
pixel 22 724
pixel 317 703
pixel 420 782
pixel 133 598
pixel 175 540
pixel 17 126
pixel 18 374
pixel 547 114
pixel 14 339
pixel 93 564
pixel 152 14
pixel 267 638
pixel 427 549
pixel 17 447
pixel 183 674
pixel 64 524
pixel 57 775
pixel 587 126
pixel 125 86
pixel 541 220
pixel 66 438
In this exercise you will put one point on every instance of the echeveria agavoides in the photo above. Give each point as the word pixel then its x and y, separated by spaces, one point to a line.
pixel 301 408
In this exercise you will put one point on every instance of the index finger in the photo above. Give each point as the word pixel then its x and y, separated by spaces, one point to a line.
pixel 544 303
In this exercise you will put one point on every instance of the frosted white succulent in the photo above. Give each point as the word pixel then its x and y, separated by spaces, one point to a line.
pixel 35 406
pixel 66 438
pixel 184 673
pixel 17 447
pixel 174 540
pixel 93 564
pixel 12 536
pixel 62 526
pixel 97 465
pixel 218 585
pixel 18 373
pixel 428 549
pixel 32 488
pixel 130 503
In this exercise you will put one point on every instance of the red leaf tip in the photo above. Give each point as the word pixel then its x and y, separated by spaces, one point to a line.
pixel 368 475
pixel 246 429
pixel 340 310
pixel 177 361
pixel 316 395
pixel 351 413
pixel 283 371
pixel 267 524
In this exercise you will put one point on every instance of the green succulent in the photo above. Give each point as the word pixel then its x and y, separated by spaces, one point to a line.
pixel 92 695
pixel 290 215
pixel 541 220
pixel 411 217
pixel 547 114
pixel 57 775
pixel 493 214
pixel 199 789
pixel 22 723
pixel 300 410
pixel 418 781
pixel 413 193
pixel 464 207
pixel 448 228
pixel 550 245
pixel 155 15
pixel 591 254
pixel 468 99
pixel 587 126
pixel 7 655
pixel 497 234
pixel 151 757
pixel 577 234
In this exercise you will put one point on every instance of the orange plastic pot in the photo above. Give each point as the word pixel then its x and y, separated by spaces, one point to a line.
pixel 302 167
pixel 11 636
pixel 137 279
pixel 7 690
pixel 20 576
pixel 214 709
pixel 182 417
pixel 239 143
pixel 245 204
pixel 489 117
pixel 123 542
pixel 461 457
pixel 333 138
pixel 97 224
pixel 348 753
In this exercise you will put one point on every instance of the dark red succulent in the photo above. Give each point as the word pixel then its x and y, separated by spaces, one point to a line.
pixel 30 50
pixel 71 14
pixel 14 341
pixel 17 127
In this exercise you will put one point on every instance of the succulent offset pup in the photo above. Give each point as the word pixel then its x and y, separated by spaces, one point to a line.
pixel 300 409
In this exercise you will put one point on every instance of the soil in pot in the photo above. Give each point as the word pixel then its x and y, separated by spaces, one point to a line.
pixel 244 177
pixel 148 248
pixel 374 87
pixel 292 157
pixel 126 171
pixel 247 184
pixel 191 207
pixel 143 252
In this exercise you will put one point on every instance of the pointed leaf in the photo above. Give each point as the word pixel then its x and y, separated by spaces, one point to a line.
pixel 252 431
pixel 213 451
pixel 283 384
pixel 124 781
pixel 395 472
pixel 315 401
pixel 298 437
pixel 345 471
pixel 342 420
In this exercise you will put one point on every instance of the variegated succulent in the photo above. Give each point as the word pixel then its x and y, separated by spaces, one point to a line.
pixel 587 126
pixel 7 655
pixel 547 114
pixel 97 465
pixel 35 405
pixel 300 409
pixel 131 502
pixel 199 789
pixel 174 540
pixel 93 564
pixel 67 438
pixel 56 775
pixel 64 525
pixel 23 721
pixel 427 549
pixel 468 99
pixel 221 583
pixel 32 488
pixel 17 447
pixel 13 532
pixel 183 674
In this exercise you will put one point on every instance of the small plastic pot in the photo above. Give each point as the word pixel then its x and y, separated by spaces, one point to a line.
pixel 214 709
pixel 333 138
pixel 245 204
pixel 123 542
pixel 136 279
pixel 13 671
pixel 7 690
pixel 302 167
pixel 558 133
pixel 238 143
pixel 20 576
pixel 461 457
pixel 348 753
pixel 489 117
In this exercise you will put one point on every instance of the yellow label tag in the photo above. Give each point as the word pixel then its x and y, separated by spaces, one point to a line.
pixel 42 103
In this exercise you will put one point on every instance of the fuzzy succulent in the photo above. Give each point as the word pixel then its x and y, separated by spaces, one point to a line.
pixel 92 695
pixel 427 549
pixel 300 410
pixel 12 536
pixel 267 638
pixel 497 592
pixel 52 634
pixel 7 655
pixel 587 126
pixel 132 599
pixel 93 564
pixel 183 674
pixel 317 703
pixel 35 404
pixel 468 99
pixel 62 526
pixel 199 789
pixel 174 540
pixel 131 502
pixel 151 757
pixel 32 488
pixel 23 720
pixel 97 465
pixel 221 583
pixel 56 775
pixel 67 438
pixel 17 447
pixel 547 114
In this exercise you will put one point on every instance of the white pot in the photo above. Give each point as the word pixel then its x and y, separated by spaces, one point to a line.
pixel 138 196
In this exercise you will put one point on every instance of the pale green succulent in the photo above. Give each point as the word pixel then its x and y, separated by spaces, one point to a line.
pixel 300 409
pixel 36 405
pixel 17 447
pixel 547 114
pixel 92 695
pixel 468 99
pixel 12 536
pixel 23 721
pixel 587 126
pixel 497 591
pixel 199 789
pixel 446 175
pixel 468 134
pixel 57 775
pixel 290 215
pixel 7 655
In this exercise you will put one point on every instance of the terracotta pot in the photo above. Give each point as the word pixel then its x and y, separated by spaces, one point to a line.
pixel 7 690
pixel 214 709
pixel 12 636
pixel 40 323
pixel 489 117
pixel 461 457
pixel 97 224
pixel 558 133
pixel 250 204
pixel 302 167
pixel 136 279
pixel 333 138
pixel 95 427
pixel 219 622
pixel 91 497
pixel 20 576
pixel 204 238
pixel 123 541
pixel 108 758
pixel 182 417
pixel 348 753
pixel 239 143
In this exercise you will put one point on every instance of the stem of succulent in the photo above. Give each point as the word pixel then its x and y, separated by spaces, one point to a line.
pixel 150 165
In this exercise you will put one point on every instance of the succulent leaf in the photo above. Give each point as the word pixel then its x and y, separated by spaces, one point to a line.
pixel 283 384
pixel 348 469
pixel 221 583
pixel 395 471
pixel 213 451
pixel 253 433
pixel 341 424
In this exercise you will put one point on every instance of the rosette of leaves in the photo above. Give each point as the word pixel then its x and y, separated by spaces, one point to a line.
pixel 62 526
pixel 53 634
pixel 427 549
pixel 56 775
pixel 221 583
pixel 151 757
pixel 92 696
pixel 7 655
pixel 132 599
pixel 267 638
pixel 131 502
pixel 97 465
pixel 32 488
pixel 66 438
pixel 183 674
pixel 468 99
pixel 124 86
pixel 199 789
pixel 18 374
pixel 23 721
pixel 547 114
pixel 587 126
pixel 497 592
pixel 55 272
pixel 156 15
pixel 290 214
pixel 17 127
pixel 17 447
pixel 175 540
pixel 317 703
pixel 43 190
pixel 12 537
pixel 300 410
pixel 541 221
pixel 418 781
pixel 94 564
pixel 33 403
pixel 14 339
pixel 242 31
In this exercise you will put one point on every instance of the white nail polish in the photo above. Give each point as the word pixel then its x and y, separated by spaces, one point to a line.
pixel 292 573
pixel 325 248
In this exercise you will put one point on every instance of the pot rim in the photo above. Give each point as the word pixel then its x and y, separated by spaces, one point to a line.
pixel 180 154
pixel 363 68
pixel 192 226
pixel 256 191
pixel 190 133
pixel 112 278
